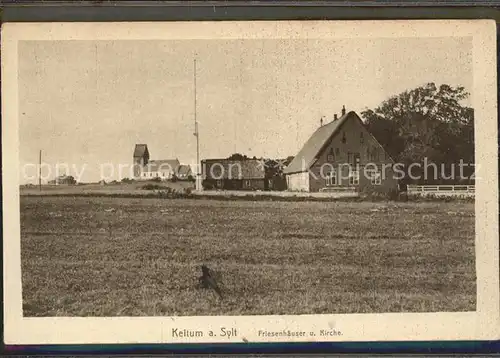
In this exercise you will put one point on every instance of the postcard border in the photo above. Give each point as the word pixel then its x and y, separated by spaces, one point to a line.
pixel 480 325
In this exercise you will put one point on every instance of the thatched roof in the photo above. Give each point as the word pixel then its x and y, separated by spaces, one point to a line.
pixel 309 152
pixel 234 169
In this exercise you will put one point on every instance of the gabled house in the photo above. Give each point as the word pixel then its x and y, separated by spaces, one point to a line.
pixel 341 155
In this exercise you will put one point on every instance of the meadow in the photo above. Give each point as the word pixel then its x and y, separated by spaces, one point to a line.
pixel 110 256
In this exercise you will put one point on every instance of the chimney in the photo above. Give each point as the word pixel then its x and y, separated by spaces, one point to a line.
pixel 335 117
pixel 343 110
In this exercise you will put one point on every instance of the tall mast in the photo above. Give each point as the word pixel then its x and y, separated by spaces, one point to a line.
pixel 40 171
pixel 196 133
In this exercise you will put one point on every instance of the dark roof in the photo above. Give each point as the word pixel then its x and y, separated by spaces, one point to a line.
pixel 184 169
pixel 234 169
pixel 140 150
pixel 307 155
pixel 168 165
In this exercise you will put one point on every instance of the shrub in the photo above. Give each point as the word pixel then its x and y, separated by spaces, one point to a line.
pixel 191 178
pixel 207 185
pixel 174 178
pixel 152 187
pixel 156 179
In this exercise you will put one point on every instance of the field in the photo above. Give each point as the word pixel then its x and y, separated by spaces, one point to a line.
pixel 89 256
pixel 134 188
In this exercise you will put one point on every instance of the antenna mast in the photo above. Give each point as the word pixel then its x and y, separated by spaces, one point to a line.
pixel 40 171
pixel 196 134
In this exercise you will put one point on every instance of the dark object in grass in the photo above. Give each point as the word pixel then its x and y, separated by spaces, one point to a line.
pixel 208 281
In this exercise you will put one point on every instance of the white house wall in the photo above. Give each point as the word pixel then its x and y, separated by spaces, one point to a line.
pixel 298 181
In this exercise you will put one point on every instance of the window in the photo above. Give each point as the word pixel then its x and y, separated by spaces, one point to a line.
pixel 330 157
pixel 361 138
pixel 344 139
pixel 219 183
pixel 374 176
pixel 331 178
pixel 354 177
pixel 353 158
pixel 247 183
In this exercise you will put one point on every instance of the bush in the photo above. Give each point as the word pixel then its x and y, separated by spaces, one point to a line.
pixel 156 179
pixel 207 185
pixel 188 191
pixel 174 178
pixel 374 193
pixel 191 178
pixel 152 187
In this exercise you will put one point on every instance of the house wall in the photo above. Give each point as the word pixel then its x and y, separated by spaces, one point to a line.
pixel 358 141
pixel 298 181
pixel 151 175
pixel 237 184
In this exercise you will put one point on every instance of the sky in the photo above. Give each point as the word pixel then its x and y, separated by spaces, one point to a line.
pixel 86 104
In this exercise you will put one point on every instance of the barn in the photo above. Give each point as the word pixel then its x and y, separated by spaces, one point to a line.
pixel 341 155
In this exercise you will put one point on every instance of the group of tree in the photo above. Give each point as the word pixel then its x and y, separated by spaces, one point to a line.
pixel 238 156
pixel 426 122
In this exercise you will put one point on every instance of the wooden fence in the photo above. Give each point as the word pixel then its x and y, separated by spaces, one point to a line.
pixel 441 189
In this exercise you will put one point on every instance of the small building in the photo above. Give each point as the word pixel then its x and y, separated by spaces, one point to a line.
pixel 341 155
pixel 146 169
pixel 227 174
pixel 63 180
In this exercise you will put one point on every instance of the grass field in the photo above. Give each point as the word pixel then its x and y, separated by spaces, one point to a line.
pixel 84 256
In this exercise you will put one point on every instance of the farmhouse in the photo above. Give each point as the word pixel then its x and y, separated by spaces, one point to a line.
pixel 245 174
pixel 341 155
pixel 146 169
pixel 63 179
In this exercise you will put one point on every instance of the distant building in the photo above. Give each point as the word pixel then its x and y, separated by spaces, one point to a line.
pixel 146 169
pixel 341 155
pixel 63 179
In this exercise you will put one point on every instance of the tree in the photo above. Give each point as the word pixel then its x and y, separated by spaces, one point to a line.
pixel 426 122
pixel 237 156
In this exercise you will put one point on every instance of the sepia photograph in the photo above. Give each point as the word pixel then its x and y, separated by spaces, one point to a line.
pixel 205 172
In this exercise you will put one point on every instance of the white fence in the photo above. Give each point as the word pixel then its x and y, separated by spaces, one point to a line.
pixel 468 190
